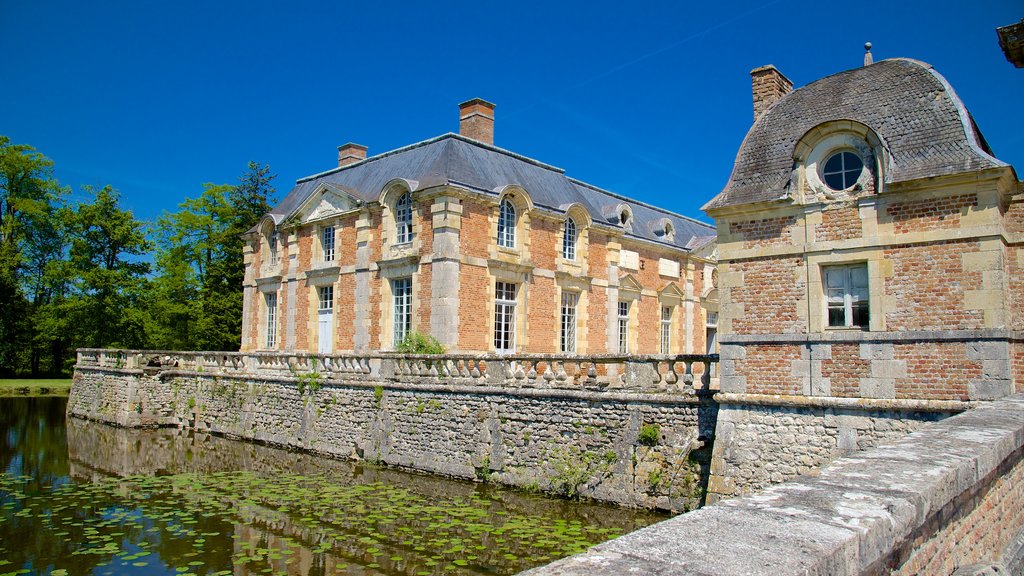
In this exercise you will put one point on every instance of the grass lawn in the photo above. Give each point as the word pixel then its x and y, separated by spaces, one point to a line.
pixel 30 387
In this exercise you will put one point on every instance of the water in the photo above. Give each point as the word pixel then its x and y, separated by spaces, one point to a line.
pixel 78 497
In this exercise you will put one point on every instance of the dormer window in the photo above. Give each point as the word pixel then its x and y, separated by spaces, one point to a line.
pixel 327 243
pixel 670 232
pixel 626 219
pixel 842 170
pixel 507 224
pixel 272 245
pixel 569 239
pixel 403 219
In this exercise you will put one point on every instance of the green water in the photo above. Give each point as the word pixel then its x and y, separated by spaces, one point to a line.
pixel 78 497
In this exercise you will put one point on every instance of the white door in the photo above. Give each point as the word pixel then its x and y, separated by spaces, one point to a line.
pixel 326 333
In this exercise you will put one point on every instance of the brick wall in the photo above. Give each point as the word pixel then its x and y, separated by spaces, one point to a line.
pixel 926 290
pixel 474 309
pixel 932 214
pixel 771 292
pixel 344 312
pixel 1017 365
pixel 769 368
pixel 597 320
pixel 1015 285
pixel 543 318
pixel 545 244
pixel 838 224
pixel 845 369
pixel 936 371
pixel 475 234
pixel 763 232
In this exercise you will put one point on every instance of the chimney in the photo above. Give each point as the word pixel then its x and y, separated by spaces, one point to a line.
pixel 769 86
pixel 476 120
pixel 350 154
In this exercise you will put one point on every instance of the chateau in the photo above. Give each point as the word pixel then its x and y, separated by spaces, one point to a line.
pixel 484 249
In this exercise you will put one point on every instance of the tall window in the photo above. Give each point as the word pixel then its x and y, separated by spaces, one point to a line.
pixel 666 329
pixel 272 243
pixel 328 243
pixel 326 298
pixel 504 316
pixel 403 219
pixel 569 240
pixel 623 327
pixel 846 290
pixel 271 319
pixel 568 340
pixel 401 290
pixel 507 224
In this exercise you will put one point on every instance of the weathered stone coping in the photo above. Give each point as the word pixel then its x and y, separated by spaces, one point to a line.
pixel 683 374
pixel 845 403
pixel 861 336
pixel 885 509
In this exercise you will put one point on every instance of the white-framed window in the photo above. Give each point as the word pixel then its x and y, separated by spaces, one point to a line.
pixel 623 326
pixel 403 219
pixel 568 333
pixel 569 239
pixel 271 300
pixel 666 329
pixel 846 295
pixel 272 244
pixel 326 294
pixel 327 243
pixel 507 224
pixel 505 316
pixel 842 170
pixel 401 296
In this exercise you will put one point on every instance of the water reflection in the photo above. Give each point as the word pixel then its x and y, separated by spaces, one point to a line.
pixel 172 502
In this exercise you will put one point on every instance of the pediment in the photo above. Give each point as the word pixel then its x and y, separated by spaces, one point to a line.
pixel 672 290
pixel 326 200
pixel 629 283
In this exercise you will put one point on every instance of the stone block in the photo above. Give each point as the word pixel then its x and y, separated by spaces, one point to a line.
pixel 877 388
pixel 889 369
pixel 733 384
pixel 995 369
pixel 982 261
pixel 821 352
pixel 819 387
pixel 983 299
pixel 876 351
pixel 988 350
pixel 989 389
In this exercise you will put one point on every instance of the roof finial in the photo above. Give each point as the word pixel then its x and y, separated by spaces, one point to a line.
pixel 868 60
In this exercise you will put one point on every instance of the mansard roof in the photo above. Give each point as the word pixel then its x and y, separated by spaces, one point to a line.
pixel 925 127
pixel 455 160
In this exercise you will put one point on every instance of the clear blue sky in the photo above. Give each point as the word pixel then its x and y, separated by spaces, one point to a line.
pixel 648 99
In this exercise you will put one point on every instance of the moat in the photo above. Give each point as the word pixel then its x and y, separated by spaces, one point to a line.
pixel 78 497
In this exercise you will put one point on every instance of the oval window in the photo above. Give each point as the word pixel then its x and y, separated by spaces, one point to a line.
pixel 842 170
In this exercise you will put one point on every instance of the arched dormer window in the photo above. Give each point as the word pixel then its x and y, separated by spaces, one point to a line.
pixel 569 239
pixel 403 219
pixel 272 245
pixel 507 224
pixel 626 219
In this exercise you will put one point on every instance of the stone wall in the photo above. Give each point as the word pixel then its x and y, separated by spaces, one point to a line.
pixel 946 499
pixel 640 437
pixel 759 443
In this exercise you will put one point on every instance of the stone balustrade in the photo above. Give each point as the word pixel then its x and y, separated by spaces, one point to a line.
pixel 687 374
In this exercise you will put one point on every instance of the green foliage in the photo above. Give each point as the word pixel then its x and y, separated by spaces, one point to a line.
pixel 309 381
pixel 573 468
pixel 649 435
pixel 419 343
pixel 378 395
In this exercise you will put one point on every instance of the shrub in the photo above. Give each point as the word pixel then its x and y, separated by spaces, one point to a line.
pixel 419 343
pixel 649 435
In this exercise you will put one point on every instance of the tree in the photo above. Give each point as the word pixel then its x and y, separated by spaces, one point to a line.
pixel 199 285
pixel 29 245
pixel 109 275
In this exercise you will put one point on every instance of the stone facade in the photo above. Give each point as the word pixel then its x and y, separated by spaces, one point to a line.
pixel 869 250
pixel 636 432
pixel 431 214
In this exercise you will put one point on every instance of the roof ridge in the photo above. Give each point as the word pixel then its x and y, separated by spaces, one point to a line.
pixel 637 202
pixel 380 156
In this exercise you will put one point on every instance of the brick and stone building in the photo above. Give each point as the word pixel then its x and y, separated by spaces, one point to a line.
pixel 484 249
pixel 871 268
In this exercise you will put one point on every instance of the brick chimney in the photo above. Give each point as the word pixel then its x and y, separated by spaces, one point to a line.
pixel 769 86
pixel 476 120
pixel 351 153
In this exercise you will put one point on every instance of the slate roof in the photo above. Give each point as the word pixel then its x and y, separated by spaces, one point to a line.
pixel 460 161
pixel 923 124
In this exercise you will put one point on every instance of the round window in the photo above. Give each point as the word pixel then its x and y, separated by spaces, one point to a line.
pixel 842 170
